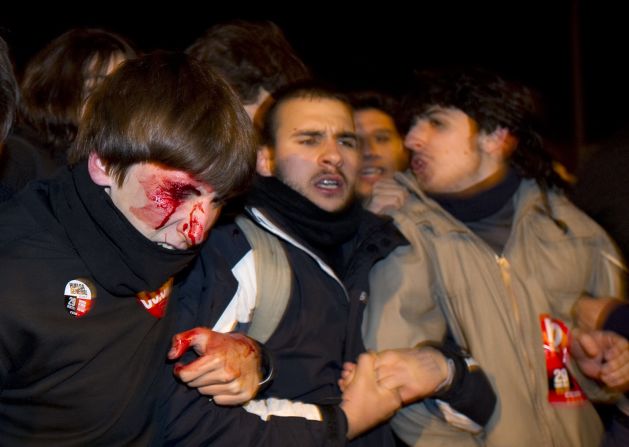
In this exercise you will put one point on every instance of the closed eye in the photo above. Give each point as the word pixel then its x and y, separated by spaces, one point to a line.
pixel 181 191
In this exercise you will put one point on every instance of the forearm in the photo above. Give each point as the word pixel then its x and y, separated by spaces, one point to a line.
pixel 195 420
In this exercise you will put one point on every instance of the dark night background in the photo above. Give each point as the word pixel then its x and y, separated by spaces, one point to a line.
pixel 574 52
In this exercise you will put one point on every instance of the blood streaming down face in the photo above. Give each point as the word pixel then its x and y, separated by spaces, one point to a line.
pixel 167 206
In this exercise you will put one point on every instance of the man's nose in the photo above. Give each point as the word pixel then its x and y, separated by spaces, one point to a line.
pixel 331 154
pixel 366 147
pixel 416 136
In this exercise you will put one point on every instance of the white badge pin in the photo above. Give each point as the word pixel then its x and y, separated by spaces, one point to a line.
pixel 79 297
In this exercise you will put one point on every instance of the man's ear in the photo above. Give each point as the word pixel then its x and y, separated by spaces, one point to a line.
pixel 98 170
pixel 499 143
pixel 264 163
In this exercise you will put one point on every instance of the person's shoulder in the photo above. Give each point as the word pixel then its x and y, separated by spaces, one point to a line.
pixel 379 236
pixel 15 220
pixel 26 222
pixel 227 241
pixel 578 223
pixel 25 158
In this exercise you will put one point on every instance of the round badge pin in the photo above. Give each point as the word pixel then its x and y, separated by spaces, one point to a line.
pixel 79 297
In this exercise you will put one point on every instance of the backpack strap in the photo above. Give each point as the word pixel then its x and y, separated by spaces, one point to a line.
pixel 273 279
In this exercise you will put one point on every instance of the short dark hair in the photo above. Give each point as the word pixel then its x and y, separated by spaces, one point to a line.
pixel 54 79
pixel 169 108
pixel 370 99
pixel 493 102
pixel 9 93
pixel 250 55
pixel 301 90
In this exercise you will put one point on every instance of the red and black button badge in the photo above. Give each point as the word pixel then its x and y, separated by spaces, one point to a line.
pixel 79 297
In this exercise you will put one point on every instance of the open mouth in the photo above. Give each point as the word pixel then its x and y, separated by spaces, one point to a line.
pixel 166 245
pixel 372 171
pixel 330 183
pixel 418 164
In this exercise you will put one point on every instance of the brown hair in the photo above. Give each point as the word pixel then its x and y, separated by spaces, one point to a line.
pixel 171 109
pixel 307 89
pixel 251 56
pixel 54 80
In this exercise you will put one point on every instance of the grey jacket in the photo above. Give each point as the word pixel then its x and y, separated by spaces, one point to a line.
pixel 493 305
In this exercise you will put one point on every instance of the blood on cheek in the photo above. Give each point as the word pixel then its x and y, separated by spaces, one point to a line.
pixel 195 227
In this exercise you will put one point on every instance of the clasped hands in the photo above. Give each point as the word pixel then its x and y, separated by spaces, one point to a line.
pixel 380 383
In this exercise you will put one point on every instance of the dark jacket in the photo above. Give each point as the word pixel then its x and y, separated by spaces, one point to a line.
pixel 319 331
pixel 25 157
pixel 5 193
pixel 80 356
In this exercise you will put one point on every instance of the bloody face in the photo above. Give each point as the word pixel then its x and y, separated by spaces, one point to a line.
pixel 167 206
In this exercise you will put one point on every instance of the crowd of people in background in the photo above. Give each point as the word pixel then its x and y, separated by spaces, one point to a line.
pixel 212 247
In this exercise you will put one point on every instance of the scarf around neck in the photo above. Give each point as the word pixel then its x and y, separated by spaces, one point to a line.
pixel 483 204
pixel 119 257
pixel 320 229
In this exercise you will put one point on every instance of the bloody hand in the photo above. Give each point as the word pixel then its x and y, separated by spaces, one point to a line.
pixel 228 367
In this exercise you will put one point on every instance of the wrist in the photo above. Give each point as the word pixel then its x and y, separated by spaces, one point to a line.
pixel 447 382
pixel 267 368
pixel 458 368
pixel 607 310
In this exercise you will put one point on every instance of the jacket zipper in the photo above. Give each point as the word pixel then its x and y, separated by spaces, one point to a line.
pixel 505 271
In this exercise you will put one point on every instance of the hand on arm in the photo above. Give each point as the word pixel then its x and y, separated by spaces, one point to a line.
pixel 228 367
pixel 415 373
pixel 365 402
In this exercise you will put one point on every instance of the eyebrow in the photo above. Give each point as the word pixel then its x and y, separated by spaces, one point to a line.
pixel 436 110
pixel 308 133
pixel 321 133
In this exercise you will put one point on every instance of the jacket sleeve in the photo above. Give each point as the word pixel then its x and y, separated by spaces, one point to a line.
pixel 618 320
pixel 188 418
pixel 470 400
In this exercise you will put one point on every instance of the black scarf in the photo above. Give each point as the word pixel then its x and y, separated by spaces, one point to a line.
pixel 322 231
pixel 483 204
pixel 118 256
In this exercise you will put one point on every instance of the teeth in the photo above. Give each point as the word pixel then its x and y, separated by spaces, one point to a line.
pixel 328 183
pixel 166 245
pixel 372 171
